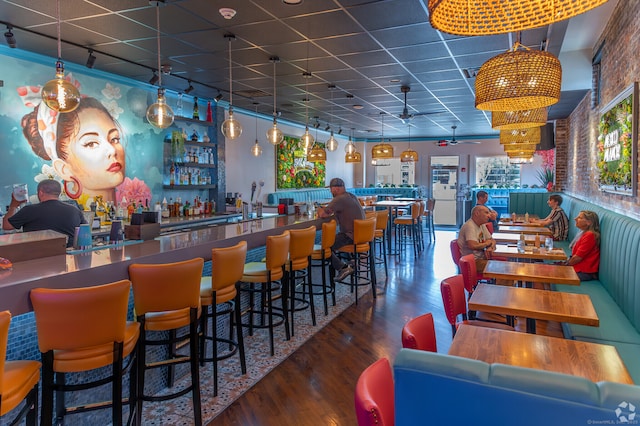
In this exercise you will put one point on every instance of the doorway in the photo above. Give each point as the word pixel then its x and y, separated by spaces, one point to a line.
pixel 444 188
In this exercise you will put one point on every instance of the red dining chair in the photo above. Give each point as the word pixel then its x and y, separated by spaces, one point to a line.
pixel 374 395
pixel 455 252
pixel 455 304
pixel 420 333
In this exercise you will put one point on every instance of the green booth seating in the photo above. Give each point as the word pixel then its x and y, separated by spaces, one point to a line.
pixel 324 194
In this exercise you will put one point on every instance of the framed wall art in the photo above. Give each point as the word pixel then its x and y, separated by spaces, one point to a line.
pixel 617 143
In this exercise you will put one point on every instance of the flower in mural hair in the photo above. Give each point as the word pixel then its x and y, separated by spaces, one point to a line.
pixel 134 190
pixel 113 108
pixel 111 92
pixel 47 172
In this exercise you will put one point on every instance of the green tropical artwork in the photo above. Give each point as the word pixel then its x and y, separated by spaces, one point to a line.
pixel 293 168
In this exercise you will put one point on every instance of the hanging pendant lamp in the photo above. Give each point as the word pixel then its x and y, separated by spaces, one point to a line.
pixel 59 94
pixel 231 128
pixel 382 150
pixel 307 138
pixel 519 79
pixel 256 149
pixel 482 17
pixel 352 155
pixel 530 135
pixel 409 155
pixel 506 120
pixel 274 135
pixel 332 142
pixel 159 114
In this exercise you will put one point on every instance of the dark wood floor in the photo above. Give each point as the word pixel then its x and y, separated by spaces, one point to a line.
pixel 314 386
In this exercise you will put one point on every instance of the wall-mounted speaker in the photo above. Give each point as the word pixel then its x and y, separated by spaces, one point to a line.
pixel 547 137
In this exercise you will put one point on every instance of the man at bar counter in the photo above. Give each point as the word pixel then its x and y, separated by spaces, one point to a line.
pixel 346 208
pixel 49 213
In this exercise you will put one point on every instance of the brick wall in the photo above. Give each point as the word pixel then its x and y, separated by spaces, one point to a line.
pixel 576 137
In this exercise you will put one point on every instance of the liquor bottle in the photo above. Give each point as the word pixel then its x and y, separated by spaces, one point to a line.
pixel 172 174
pixel 196 114
pixel 209 112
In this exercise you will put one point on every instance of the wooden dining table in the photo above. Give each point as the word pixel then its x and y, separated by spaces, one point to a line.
pixel 593 361
pixel 511 238
pixel 531 272
pixel 525 229
pixel 534 304
pixel 530 253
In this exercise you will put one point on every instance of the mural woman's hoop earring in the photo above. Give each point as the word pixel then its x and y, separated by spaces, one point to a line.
pixel 76 184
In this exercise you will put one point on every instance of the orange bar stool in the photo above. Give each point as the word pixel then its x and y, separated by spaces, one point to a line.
pixel 218 297
pixel 82 329
pixel 428 218
pixel 362 250
pixel 321 258
pixel 18 381
pixel 407 227
pixel 166 298
pixel 382 220
pixel 299 268
pixel 262 279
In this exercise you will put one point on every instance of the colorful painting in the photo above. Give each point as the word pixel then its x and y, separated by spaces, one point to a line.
pixel 293 169
pixel 616 142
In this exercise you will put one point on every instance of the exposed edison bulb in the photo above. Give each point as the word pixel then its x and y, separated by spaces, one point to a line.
pixel 307 139
pixel 59 94
pixel 275 135
pixel 160 114
pixel 350 147
pixel 332 143
pixel 256 149
pixel 231 128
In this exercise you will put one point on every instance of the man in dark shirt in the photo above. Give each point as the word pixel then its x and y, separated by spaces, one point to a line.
pixel 49 213
pixel 346 208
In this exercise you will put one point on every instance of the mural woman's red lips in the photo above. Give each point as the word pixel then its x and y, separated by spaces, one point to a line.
pixel 115 167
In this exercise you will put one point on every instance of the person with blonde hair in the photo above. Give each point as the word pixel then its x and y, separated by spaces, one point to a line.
pixel 585 248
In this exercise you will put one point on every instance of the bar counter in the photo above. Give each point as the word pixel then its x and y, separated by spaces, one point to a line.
pixel 101 266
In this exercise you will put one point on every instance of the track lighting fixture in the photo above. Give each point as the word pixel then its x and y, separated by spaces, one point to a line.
pixel 91 60
pixel 11 39
pixel 340 131
pixel 154 78
pixel 326 129
pixel 188 89
pixel 218 97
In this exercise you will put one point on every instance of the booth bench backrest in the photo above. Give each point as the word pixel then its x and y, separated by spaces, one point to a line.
pixel 432 388
pixel 323 194
pixel 619 246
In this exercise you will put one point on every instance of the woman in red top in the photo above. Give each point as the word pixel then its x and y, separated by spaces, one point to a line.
pixel 585 249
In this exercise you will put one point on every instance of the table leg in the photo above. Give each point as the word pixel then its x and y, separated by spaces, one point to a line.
pixel 531 325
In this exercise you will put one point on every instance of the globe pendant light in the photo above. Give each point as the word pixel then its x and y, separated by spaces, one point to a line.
pixel 382 150
pixel 256 149
pixel 332 142
pixel 307 138
pixel 409 155
pixel 352 155
pixel 231 127
pixel 59 94
pixel 274 135
pixel 159 114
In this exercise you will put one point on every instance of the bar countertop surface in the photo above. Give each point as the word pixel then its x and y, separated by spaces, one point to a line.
pixel 108 264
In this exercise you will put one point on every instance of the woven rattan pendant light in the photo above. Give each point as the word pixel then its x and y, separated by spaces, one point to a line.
pixel 530 135
pixel 507 120
pixel 519 79
pixel 382 150
pixel 485 17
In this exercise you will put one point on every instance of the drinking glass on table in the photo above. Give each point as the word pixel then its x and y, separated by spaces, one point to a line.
pixel 548 242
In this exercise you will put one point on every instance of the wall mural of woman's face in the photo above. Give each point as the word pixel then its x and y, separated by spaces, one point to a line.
pixel 96 156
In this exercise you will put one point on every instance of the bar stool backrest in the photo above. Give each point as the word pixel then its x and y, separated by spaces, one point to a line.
pixel 301 246
pixel 167 286
pixel 382 219
pixel 364 230
pixel 328 234
pixel 5 321
pixel 75 318
pixel 277 248
pixel 227 266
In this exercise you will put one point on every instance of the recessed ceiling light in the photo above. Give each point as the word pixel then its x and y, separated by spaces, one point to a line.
pixel 292 2
pixel 394 80
pixel 358 106
pixel 227 12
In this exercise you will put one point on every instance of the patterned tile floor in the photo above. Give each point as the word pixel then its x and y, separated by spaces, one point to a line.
pixel 231 383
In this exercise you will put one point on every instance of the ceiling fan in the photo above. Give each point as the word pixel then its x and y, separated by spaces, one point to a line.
pixel 453 140
pixel 405 116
